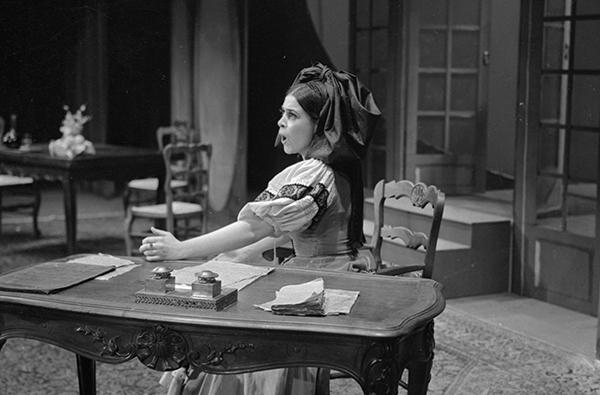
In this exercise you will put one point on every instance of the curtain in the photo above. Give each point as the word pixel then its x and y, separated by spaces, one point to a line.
pixel 210 61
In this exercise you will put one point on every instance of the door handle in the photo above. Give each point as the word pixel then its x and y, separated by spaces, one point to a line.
pixel 485 58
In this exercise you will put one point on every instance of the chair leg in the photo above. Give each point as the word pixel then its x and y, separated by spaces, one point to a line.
pixel 0 211
pixel 128 227
pixel 36 210
pixel 204 222
pixel 126 197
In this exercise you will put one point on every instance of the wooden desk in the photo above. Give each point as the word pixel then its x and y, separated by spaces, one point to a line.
pixel 389 328
pixel 109 163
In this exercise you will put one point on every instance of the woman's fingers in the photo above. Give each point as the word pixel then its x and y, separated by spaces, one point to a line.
pixel 159 232
pixel 152 254
pixel 153 258
pixel 152 239
pixel 159 246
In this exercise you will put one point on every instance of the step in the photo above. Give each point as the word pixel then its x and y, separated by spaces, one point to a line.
pixel 458 223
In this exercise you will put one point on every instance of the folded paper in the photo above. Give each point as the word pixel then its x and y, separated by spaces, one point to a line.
pixel 311 298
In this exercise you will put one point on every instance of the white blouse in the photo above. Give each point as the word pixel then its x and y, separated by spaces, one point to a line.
pixel 295 198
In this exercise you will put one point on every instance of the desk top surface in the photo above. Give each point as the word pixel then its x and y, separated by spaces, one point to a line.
pixel 386 307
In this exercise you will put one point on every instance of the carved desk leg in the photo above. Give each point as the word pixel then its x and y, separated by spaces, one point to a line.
pixel 382 373
pixel 419 370
pixel 86 373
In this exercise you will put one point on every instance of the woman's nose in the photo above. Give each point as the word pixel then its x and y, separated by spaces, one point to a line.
pixel 281 122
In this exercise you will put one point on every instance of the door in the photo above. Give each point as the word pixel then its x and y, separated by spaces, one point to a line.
pixel 445 120
pixel 369 59
pixel 556 218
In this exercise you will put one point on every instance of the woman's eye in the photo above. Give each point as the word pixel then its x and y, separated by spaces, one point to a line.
pixel 287 114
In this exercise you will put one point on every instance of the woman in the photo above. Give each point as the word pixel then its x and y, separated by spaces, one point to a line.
pixel 327 118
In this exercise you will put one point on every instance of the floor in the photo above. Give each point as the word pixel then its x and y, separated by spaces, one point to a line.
pixel 556 325
pixel 561 327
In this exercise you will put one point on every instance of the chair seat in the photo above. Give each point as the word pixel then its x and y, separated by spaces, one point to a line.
pixel 183 211
pixel 25 195
pixel 160 210
pixel 151 184
pixel 8 180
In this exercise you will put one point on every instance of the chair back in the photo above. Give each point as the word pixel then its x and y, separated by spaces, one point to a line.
pixel 176 133
pixel 419 195
pixel 189 162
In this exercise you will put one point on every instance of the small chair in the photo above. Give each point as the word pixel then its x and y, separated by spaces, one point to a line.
pixel 179 132
pixel 27 197
pixel 419 195
pixel 188 163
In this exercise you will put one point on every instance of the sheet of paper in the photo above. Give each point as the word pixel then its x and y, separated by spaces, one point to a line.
pixel 339 301
pixel 102 260
pixel 117 272
pixel 232 275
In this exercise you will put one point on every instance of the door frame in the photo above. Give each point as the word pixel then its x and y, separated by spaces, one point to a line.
pixel 530 240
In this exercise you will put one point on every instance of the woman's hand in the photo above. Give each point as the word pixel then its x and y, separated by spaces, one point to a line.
pixel 162 245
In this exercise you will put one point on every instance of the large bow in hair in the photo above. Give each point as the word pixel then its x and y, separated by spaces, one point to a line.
pixel 349 116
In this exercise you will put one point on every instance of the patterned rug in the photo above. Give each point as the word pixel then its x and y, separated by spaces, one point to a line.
pixel 471 356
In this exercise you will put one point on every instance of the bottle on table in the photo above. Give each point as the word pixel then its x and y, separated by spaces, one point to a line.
pixel 10 138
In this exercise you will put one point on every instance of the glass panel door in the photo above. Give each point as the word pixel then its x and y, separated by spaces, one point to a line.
pixel 557 228
pixel 446 126
pixel 369 61
pixel 568 146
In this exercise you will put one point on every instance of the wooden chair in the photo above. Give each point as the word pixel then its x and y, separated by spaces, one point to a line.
pixel 137 188
pixel 419 195
pixel 184 210
pixel 26 194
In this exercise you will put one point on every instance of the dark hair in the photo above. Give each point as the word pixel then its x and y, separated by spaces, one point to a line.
pixel 311 96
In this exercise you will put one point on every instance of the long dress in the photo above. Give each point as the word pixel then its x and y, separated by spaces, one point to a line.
pixel 311 203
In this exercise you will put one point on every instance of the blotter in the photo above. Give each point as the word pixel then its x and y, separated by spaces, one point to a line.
pixel 50 277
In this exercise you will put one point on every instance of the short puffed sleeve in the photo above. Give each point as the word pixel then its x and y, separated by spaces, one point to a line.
pixel 295 198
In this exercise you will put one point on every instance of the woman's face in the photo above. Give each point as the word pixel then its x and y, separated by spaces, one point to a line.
pixel 296 127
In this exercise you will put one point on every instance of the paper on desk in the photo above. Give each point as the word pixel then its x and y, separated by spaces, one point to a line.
pixel 300 299
pixel 121 265
pixel 232 275
pixel 101 260
pixel 339 301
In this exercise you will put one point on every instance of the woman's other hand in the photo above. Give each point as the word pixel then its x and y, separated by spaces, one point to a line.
pixel 162 245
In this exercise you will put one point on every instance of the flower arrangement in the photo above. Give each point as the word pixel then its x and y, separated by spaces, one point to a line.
pixel 72 124
pixel 72 142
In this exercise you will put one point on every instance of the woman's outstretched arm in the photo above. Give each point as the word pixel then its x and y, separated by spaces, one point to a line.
pixel 163 245
pixel 253 253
